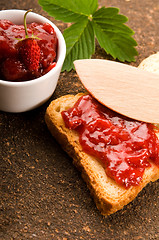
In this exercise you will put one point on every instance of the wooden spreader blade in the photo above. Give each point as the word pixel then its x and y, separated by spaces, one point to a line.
pixel 125 89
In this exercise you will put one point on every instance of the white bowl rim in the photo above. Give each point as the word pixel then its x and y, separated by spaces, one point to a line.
pixel 58 63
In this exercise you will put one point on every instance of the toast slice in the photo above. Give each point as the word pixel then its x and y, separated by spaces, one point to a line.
pixel 108 195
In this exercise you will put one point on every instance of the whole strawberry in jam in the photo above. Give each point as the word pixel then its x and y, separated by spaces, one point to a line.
pixel 29 53
pixel 26 51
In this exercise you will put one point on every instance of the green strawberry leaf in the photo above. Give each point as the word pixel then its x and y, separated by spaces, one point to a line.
pixel 113 35
pixel 105 23
pixel 68 10
pixel 80 44
pixel 104 14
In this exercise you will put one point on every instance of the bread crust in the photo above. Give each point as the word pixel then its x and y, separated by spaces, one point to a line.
pixel 108 195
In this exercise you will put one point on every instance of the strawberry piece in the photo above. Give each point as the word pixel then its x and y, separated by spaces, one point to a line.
pixel 13 70
pixel 48 28
pixel 51 66
pixel 29 53
pixel 5 24
pixel 6 49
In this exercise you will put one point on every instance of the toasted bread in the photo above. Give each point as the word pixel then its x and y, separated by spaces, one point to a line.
pixel 151 63
pixel 108 195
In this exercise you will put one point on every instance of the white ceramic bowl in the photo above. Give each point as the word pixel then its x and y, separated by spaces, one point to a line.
pixel 27 95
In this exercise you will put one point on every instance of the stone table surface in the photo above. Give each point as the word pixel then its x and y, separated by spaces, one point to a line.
pixel 42 194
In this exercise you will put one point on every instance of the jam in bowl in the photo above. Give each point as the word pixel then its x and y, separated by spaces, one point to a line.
pixel 25 84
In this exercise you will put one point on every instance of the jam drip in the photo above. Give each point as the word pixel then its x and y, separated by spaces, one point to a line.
pixel 124 146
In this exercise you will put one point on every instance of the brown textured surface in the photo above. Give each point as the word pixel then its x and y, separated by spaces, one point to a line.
pixel 42 194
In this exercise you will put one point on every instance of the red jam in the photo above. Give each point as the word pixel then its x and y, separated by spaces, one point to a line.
pixel 124 146
pixel 11 67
